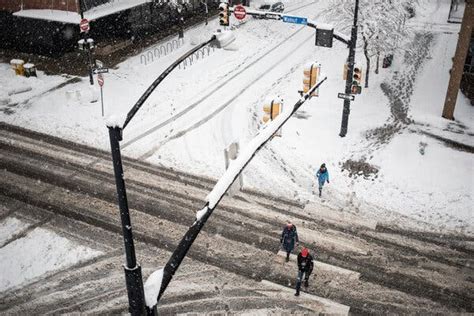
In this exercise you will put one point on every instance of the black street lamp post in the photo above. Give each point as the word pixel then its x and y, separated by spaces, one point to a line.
pixel 133 274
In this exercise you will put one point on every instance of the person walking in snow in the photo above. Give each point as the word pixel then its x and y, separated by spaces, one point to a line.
pixel 288 239
pixel 323 176
pixel 305 267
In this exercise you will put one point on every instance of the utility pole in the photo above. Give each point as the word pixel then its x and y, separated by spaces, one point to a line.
pixel 350 72
pixel 459 60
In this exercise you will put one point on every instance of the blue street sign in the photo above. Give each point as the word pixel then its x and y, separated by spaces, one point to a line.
pixel 294 19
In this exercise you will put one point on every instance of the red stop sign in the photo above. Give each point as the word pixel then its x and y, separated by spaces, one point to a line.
pixel 84 25
pixel 239 12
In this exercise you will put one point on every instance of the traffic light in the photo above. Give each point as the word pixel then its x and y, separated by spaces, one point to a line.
pixel 357 80
pixel 357 75
pixel 310 77
pixel 272 110
pixel 224 14
pixel 356 89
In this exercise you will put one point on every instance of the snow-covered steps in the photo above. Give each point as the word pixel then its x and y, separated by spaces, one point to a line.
pixel 314 303
pixel 64 179
pixel 321 268
pixel 334 240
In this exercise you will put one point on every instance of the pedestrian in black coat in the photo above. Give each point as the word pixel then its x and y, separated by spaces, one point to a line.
pixel 305 267
pixel 288 239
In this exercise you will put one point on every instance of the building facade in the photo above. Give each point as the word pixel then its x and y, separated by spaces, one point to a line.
pixel 51 27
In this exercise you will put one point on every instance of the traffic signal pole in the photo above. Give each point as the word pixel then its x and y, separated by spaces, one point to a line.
pixel 188 239
pixel 350 73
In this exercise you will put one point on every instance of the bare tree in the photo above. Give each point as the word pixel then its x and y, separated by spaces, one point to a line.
pixel 381 25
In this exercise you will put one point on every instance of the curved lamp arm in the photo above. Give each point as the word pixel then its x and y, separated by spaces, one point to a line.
pixel 158 80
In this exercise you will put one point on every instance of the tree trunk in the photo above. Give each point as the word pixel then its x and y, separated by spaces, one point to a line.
pixel 377 63
pixel 367 58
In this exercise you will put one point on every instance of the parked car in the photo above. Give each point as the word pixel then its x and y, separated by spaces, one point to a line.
pixel 273 7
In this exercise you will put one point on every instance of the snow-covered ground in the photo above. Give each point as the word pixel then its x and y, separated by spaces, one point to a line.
pixel 198 111
pixel 39 252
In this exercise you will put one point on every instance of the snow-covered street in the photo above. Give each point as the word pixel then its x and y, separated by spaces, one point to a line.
pixel 70 189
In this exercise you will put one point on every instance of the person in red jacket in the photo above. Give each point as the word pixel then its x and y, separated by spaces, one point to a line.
pixel 305 267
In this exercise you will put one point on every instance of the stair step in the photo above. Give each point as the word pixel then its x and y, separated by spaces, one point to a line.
pixel 317 304
pixel 322 268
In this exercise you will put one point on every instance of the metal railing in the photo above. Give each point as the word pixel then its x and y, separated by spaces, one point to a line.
pixel 162 50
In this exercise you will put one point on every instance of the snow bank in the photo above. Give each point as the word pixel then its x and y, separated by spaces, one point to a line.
pixel 247 154
pixel 39 252
pixel 244 157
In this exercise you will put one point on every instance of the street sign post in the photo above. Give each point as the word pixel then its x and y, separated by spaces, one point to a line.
pixel 344 96
pixel 84 25
pixel 100 81
pixel 239 12
pixel 100 70
pixel 294 19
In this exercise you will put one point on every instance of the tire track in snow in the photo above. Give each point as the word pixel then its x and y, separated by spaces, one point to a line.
pixel 223 106
pixel 210 93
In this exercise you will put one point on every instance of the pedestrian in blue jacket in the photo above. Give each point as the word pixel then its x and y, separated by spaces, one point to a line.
pixel 323 176
pixel 288 238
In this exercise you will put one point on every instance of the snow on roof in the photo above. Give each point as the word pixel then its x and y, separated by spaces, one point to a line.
pixel 74 17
